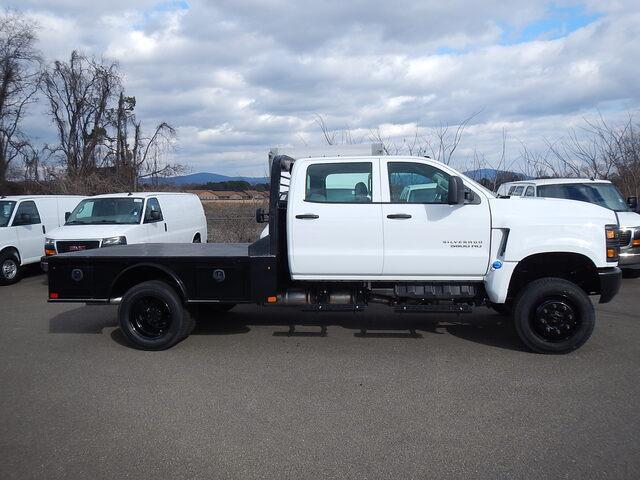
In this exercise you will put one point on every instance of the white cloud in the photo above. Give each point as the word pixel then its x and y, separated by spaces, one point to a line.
pixel 239 76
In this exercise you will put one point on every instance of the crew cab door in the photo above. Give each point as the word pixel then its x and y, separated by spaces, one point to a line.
pixel 334 219
pixel 30 231
pixel 424 236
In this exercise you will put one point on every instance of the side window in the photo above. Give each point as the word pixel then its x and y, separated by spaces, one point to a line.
pixel 153 206
pixel 27 214
pixel 339 183
pixel 417 183
pixel 529 192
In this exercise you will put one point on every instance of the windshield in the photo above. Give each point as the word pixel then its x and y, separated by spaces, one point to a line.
pixel 115 211
pixel 6 209
pixel 604 194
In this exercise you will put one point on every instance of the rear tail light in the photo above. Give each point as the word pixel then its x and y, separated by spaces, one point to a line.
pixel 612 236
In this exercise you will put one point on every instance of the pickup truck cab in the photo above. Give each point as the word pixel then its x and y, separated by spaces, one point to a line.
pixel 344 232
pixel 598 192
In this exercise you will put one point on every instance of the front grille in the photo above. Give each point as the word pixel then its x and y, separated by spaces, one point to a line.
pixel 625 237
pixel 77 246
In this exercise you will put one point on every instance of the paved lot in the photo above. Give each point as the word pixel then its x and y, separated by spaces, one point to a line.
pixel 242 399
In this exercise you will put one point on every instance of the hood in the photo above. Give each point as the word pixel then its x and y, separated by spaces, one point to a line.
pixel 629 219
pixel 540 211
pixel 89 232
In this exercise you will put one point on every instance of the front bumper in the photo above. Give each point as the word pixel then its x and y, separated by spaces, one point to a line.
pixel 610 279
pixel 628 260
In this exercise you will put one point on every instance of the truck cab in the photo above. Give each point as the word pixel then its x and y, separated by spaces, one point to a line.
pixel 345 232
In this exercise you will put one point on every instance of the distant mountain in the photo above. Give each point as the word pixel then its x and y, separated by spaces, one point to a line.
pixel 204 178
pixel 491 174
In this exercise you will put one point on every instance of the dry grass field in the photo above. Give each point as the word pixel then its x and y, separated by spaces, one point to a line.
pixel 233 220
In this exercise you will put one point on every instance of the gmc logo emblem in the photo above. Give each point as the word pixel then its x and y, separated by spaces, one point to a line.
pixel 76 248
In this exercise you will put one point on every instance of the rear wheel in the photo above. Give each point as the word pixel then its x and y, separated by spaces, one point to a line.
pixel 553 315
pixel 152 316
pixel 9 268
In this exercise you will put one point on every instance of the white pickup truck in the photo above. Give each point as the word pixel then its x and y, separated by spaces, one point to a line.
pixel 345 232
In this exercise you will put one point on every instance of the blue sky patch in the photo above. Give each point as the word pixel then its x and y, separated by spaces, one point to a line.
pixel 557 22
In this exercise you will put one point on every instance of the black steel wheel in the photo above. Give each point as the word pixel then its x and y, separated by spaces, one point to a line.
pixel 153 317
pixel 555 319
pixel 150 317
pixel 553 315
pixel 9 268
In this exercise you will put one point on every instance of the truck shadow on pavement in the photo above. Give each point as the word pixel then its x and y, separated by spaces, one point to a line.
pixel 484 327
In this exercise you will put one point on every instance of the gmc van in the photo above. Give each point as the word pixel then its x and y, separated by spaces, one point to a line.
pixel 24 222
pixel 128 218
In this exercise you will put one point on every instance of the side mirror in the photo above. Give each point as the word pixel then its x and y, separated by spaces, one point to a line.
pixel 155 215
pixel 261 216
pixel 633 203
pixel 25 219
pixel 456 191
pixel 469 196
pixel 66 216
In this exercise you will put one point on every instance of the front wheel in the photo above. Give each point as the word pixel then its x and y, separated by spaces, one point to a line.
pixel 152 316
pixel 553 315
pixel 9 269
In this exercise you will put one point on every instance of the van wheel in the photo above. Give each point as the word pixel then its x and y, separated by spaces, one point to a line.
pixel 9 268
pixel 553 315
pixel 197 239
pixel 152 316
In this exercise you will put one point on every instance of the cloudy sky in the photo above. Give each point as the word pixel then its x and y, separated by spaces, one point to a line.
pixel 239 76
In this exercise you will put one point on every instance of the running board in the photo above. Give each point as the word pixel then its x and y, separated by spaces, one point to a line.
pixel 451 308
pixel 328 307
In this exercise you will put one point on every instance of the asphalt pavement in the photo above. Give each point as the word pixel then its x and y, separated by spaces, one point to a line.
pixel 244 398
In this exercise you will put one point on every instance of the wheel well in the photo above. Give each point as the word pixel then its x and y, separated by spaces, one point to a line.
pixel 198 236
pixel 13 250
pixel 570 266
pixel 144 273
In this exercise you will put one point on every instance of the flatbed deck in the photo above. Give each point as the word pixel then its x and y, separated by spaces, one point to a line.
pixel 168 250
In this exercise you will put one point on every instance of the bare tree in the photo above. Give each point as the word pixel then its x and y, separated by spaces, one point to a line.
pixel 19 80
pixel 79 93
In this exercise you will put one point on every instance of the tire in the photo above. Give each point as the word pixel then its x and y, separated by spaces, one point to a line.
pixel 504 309
pixel 553 315
pixel 10 270
pixel 152 316
pixel 197 239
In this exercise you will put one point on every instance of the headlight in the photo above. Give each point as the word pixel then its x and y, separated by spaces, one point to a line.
pixel 612 236
pixel 49 247
pixel 111 241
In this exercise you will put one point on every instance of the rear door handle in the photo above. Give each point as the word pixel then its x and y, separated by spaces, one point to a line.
pixel 44 230
pixel 310 216
pixel 165 227
pixel 399 216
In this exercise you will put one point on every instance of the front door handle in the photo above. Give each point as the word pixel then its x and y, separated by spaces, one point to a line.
pixel 309 216
pixel 399 216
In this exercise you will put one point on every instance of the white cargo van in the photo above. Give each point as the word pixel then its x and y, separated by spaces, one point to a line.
pixel 24 222
pixel 126 218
